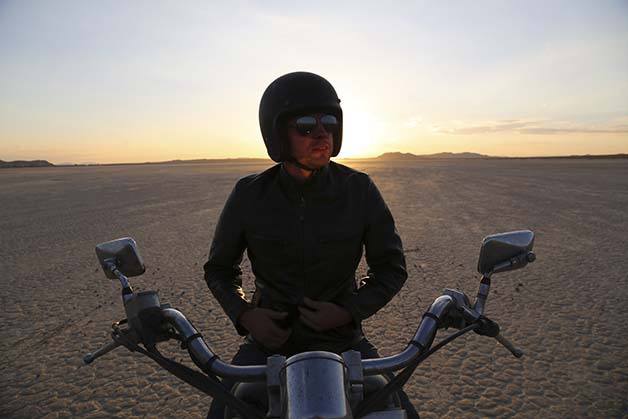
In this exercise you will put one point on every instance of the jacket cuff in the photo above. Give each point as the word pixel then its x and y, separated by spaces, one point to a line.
pixel 349 303
pixel 235 317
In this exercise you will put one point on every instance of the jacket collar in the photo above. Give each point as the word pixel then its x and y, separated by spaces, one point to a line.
pixel 314 185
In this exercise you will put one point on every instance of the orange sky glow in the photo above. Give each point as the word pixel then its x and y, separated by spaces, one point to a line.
pixel 125 82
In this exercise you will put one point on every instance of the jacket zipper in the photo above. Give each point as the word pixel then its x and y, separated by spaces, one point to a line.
pixel 303 244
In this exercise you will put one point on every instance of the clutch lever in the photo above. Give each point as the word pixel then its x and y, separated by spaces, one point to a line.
pixel 518 353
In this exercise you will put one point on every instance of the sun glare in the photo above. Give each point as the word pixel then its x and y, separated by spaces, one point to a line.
pixel 359 136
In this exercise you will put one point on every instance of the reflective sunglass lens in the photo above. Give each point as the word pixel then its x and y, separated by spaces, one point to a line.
pixel 305 124
pixel 329 120
pixel 306 120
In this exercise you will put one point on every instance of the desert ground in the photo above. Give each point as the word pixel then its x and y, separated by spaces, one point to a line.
pixel 568 311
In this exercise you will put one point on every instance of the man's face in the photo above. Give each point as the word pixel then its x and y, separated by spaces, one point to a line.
pixel 313 149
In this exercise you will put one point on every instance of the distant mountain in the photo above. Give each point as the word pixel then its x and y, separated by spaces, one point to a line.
pixel 25 163
pixel 225 160
pixel 446 155
pixel 393 156
pixel 579 157
pixel 195 161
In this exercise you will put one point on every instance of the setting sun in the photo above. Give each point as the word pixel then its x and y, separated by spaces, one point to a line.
pixel 360 134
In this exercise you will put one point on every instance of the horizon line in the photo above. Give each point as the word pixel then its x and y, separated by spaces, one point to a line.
pixel 403 156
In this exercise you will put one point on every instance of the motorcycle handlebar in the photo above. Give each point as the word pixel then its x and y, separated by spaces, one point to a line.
pixel 421 341
pixel 208 361
pixel 202 354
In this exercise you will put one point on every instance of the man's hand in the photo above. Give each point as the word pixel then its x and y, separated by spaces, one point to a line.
pixel 260 324
pixel 321 315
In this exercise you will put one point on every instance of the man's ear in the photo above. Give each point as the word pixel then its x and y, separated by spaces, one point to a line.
pixel 282 130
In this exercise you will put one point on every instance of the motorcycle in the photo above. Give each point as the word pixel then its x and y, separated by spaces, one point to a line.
pixel 314 384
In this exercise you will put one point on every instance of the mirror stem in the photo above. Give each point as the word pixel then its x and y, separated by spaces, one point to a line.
pixel 127 291
pixel 480 302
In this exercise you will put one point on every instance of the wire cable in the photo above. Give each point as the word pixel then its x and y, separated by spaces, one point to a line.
pixel 366 406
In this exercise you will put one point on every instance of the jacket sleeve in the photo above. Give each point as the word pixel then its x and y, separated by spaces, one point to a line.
pixel 385 259
pixel 222 270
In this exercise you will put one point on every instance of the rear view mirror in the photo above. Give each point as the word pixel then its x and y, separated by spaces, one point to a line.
pixel 505 252
pixel 123 254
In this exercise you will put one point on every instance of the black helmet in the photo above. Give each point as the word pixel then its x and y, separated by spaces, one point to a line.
pixel 291 94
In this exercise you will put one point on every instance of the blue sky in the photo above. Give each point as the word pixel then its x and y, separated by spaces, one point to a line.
pixel 136 81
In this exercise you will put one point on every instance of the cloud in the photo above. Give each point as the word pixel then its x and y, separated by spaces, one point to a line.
pixel 412 122
pixel 510 125
pixel 532 128
pixel 553 131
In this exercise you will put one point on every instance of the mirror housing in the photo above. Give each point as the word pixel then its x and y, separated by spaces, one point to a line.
pixel 123 254
pixel 505 252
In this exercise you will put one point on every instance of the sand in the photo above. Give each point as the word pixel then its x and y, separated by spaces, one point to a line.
pixel 568 311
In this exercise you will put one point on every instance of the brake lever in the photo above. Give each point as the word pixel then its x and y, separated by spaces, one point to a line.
pixel 90 357
pixel 468 315
pixel 518 353
pixel 491 329
pixel 116 330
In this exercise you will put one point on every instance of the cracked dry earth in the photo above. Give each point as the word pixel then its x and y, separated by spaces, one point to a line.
pixel 567 311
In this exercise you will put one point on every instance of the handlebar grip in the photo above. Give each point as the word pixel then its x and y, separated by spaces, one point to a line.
pixel 518 353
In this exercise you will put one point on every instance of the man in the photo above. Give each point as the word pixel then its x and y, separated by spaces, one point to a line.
pixel 304 223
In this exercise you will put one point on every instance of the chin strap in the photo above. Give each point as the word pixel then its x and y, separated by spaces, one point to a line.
pixel 292 160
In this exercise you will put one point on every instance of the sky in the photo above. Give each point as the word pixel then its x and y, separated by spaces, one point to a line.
pixel 119 81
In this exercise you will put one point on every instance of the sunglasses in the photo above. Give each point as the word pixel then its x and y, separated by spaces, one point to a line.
pixel 306 124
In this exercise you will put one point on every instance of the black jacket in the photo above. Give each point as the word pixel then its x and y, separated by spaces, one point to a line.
pixel 306 240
